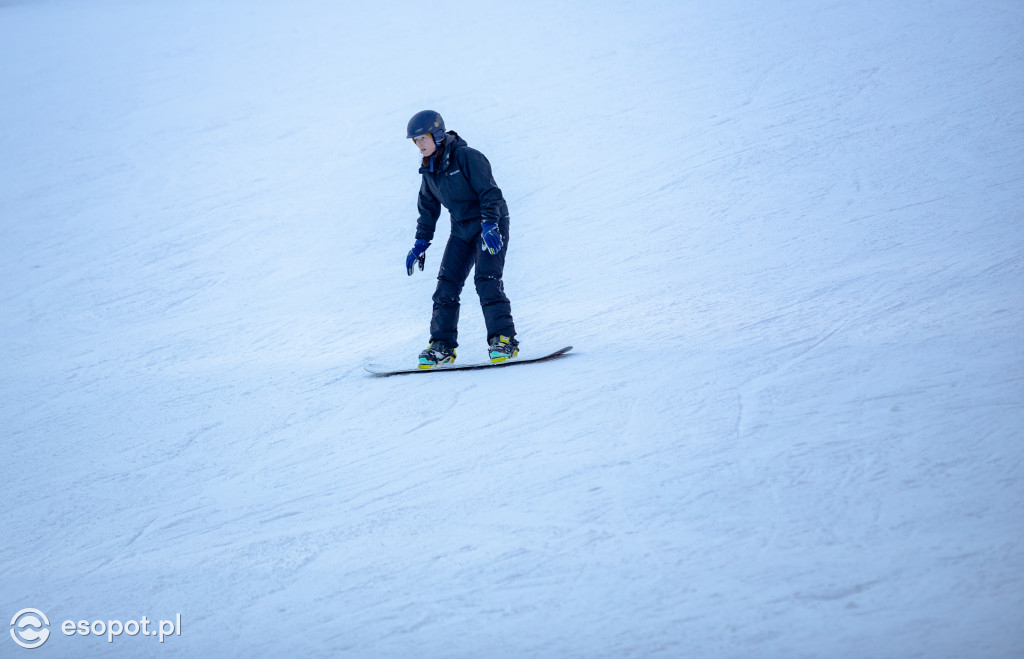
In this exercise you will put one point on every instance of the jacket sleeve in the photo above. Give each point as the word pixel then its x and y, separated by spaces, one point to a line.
pixel 430 210
pixel 478 170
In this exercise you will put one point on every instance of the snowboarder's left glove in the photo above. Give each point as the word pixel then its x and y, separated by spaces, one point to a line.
pixel 491 238
pixel 418 254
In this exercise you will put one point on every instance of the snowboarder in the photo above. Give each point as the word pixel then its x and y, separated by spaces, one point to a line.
pixel 459 178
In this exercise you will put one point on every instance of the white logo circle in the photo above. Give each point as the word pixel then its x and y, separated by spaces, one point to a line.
pixel 27 630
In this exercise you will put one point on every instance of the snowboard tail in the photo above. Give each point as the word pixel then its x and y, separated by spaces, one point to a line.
pixel 383 371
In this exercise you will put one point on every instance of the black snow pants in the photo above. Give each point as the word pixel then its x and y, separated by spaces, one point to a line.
pixel 460 256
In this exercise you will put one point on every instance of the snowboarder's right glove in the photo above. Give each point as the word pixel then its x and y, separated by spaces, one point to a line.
pixel 418 253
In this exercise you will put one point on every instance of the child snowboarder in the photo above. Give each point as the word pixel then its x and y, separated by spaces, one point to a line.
pixel 459 178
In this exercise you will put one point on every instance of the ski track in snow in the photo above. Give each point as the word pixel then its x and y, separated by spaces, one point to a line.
pixel 785 240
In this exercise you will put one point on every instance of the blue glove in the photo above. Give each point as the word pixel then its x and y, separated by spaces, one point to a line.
pixel 417 253
pixel 491 238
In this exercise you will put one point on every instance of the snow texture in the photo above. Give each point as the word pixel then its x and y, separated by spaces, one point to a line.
pixel 785 237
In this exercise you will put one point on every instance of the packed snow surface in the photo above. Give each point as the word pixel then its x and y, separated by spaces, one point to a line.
pixel 785 239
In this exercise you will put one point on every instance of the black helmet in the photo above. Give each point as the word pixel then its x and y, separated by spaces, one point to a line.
pixel 427 121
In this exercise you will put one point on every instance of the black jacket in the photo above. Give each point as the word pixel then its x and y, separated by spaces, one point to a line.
pixel 459 178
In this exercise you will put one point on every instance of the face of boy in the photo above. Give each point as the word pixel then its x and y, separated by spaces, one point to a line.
pixel 425 143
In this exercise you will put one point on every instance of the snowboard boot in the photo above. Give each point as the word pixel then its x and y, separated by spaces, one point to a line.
pixel 503 348
pixel 436 353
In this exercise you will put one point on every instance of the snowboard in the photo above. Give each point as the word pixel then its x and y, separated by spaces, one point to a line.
pixel 383 371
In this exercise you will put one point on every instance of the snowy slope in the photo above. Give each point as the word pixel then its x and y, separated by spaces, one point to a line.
pixel 784 237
